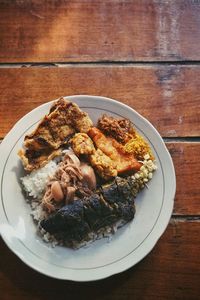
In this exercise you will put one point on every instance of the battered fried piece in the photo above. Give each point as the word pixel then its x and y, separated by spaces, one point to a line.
pixel 82 144
pixel 124 161
pixel 36 159
pixel 104 166
pixel 109 159
pixel 120 129
pixel 54 130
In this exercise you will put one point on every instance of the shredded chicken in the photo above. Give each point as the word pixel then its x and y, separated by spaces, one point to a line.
pixel 138 147
pixel 69 180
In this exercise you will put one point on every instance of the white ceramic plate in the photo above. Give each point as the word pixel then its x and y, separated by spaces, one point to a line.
pixel 102 258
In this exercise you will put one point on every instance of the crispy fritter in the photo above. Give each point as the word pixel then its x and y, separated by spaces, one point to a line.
pixel 108 158
pixel 54 130
pixel 104 166
pixel 82 144
pixel 36 159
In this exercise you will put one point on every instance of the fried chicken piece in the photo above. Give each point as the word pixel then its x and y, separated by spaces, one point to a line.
pixel 54 130
pixel 82 144
pixel 109 159
pixel 104 166
pixel 120 129
pixel 124 162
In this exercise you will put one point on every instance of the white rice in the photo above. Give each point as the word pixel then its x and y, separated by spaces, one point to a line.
pixel 34 183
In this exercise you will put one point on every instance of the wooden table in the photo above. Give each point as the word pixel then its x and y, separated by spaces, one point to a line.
pixel 145 54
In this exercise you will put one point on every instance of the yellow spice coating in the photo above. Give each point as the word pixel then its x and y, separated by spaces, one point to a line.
pixel 138 147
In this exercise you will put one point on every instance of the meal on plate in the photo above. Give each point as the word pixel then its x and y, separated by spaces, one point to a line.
pixel 82 178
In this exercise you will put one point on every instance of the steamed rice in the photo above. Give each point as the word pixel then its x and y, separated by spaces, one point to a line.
pixel 34 184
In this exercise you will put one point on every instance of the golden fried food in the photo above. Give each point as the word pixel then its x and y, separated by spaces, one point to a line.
pixel 33 159
pixel 124 161
pixel 104 166
pixel 82 144
pixel 54 130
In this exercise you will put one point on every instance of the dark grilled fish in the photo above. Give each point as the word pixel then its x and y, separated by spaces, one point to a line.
pixel 111 204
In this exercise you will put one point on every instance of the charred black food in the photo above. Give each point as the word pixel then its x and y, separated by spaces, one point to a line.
pixel 112 204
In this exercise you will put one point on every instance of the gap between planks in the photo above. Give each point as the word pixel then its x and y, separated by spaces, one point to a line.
pixel 99 63
pixel 184 218
pixel 186 139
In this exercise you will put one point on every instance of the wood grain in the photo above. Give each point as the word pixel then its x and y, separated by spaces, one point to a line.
pixel 186 161
pixel 93 30
pixel 170 271
pixel 168 95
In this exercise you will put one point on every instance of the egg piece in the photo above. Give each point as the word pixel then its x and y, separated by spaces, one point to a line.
pixel 56 191
pixel 89 177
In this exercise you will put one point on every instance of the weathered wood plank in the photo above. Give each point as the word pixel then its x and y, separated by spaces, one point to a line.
pixel 186 161
pixel 170 271
pixel 167 95
pixel 93 30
